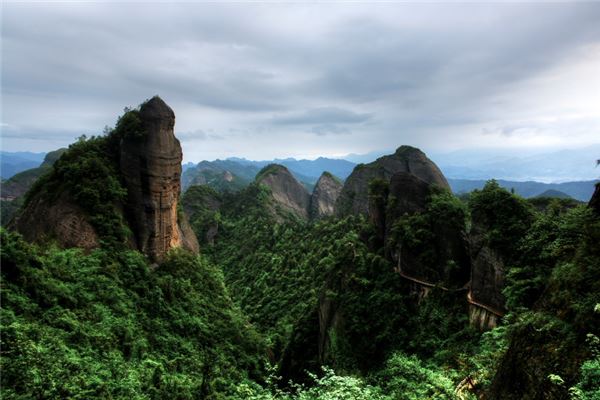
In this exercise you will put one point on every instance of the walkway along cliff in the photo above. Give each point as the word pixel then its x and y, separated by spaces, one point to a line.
pixel 400 185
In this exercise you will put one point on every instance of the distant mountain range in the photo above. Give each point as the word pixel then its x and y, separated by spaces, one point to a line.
pixel 235 173
pixel 311 170
pixel 529 174
pixel 549 167
pixel 566 165
pixel 579 190
pixel 307 172
pixel 13 163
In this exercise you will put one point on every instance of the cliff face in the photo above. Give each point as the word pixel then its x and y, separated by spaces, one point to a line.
pixel 77 212
pixel 354 197
pixel 151 170
pixel 61 220
pixel 288 193
pixel 486 301
pixel 408 195
pixel 324 196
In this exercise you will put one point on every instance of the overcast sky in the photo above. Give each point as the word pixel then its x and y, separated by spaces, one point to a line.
pixel 265 80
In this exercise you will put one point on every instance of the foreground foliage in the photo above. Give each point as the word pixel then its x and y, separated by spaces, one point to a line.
pixel 105 325
pixel 279 308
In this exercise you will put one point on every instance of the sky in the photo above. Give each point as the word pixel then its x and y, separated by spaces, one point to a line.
pixel 267 80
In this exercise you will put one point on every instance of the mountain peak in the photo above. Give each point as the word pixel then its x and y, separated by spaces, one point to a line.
pixel 156 108
pixel 287 192
pixel 405 150
pixel 272 169
pixel 354 197
pixel 324 196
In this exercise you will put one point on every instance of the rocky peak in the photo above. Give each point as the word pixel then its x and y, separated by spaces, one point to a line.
pixel 324 196
pixel 144 154
pixel 151 168
pixel 354 197
pixel 228 176
pixel 156 108
pixel 288 193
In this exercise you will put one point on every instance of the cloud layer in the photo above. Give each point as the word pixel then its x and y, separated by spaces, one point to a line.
pixel 276 80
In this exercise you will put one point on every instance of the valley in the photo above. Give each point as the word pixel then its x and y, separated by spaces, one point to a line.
pixel 125 275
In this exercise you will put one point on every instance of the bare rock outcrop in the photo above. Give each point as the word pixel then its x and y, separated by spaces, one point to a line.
pixel 289 194
pixel 151 169
pixel 145 156
pixel 486 301
pixel 60 220
pixel 408 193
pixel 324 196
pixel 354 197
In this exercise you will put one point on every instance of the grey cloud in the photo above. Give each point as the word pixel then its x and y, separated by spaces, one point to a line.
pixel 34 133
pixel 322 115
pixel 198 135
pixel 413 66
pixel 330 129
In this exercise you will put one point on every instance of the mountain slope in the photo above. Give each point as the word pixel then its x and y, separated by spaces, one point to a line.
pixel 242 172
pixel 13 163
pixel 581 190
pixel 109 325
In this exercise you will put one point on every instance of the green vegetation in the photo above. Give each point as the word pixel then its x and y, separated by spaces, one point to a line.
pixel 218 180
pixel 129 125
pixel 201 203
pixel 271 169
pixel 105 325
pixel 14 188
pixel 8 208
pixel 88 171
pixel 280 308
pixel 432 238
pixel 282 274
pixel 331 176
pixel 504 217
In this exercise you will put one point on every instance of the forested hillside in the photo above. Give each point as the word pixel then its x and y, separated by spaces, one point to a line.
pixel 397 290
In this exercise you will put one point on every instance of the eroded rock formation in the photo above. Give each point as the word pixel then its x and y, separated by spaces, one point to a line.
pixel 354 197
pixel 60 220
pixel 324 196
pixel 288 193
pixel 148 160
pixel 151 170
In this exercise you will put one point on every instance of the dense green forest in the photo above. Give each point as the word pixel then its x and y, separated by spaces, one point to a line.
pixel 278 307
